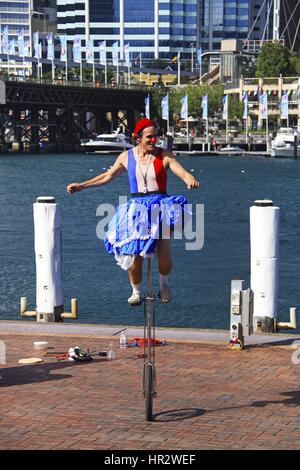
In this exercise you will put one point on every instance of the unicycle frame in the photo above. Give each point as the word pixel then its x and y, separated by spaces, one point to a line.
pixel 149 374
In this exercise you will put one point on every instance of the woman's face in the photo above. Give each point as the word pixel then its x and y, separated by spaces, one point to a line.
pixel 149 139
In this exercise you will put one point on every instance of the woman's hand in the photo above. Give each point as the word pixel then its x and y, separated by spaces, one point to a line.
pixel 74 188
pixel 192 183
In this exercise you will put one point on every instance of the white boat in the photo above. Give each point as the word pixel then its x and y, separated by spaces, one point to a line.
pixel 283 144
pixel 232 150
pixel 284 136
pixel 286 151
pixel 107 142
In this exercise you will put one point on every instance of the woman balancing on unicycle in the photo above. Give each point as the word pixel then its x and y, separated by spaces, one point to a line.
pixel 139 227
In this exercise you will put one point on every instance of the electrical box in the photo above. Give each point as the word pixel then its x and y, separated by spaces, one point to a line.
pixel 241 312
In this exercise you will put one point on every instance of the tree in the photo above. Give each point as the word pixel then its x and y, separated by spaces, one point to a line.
pixel 235 107
pixel 273 60
pixel 295 64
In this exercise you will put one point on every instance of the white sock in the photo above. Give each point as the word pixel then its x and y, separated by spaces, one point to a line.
pixel 163 280
pixel 136 288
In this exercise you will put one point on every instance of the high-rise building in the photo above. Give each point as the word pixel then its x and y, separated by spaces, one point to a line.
pixel 262 27
pixel 155 28
pixel 251 20
pixel 44 18
pixel 221 19
pixel 15 16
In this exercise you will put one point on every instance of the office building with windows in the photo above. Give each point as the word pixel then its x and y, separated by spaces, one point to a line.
pixel 221 19
pixel 15 16
pixel 251 21
pixel 155 28
pixel 287 28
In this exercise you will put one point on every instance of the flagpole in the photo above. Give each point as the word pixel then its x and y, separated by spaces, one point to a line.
pixel 140 66
pixel 267 132
pixel 80 68
pixel 168 121
pixel 187 119
pixel 207 130
pixel 38 54
pixel 94 70
pixel 226 138
pixel 246 126
pixel 66 62
pixel 178 69
pixel 200 70
pixel 41 64
pixel 53 71
pixel 118 72
pixel 105 72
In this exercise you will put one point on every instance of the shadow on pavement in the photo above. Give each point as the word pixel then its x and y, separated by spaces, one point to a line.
pixel 177 415
pixel 187 413
pixel 293 400
pixel 283 342
pixel 27 374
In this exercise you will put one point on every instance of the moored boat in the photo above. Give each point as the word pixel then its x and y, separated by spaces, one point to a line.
pixel 107 142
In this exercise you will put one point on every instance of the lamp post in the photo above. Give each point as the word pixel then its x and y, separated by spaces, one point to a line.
pixel 192 56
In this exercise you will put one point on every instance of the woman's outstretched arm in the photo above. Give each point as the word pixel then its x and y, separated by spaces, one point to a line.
pixel 179 171
pixel 99 180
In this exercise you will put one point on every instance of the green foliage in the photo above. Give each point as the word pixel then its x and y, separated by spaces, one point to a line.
pixel 235 107
pixel 275 59
pixel 295 64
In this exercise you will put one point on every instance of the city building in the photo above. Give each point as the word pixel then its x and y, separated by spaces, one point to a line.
pixel 221 19
pixel 27 16
pixel 15 16
pixel 251 21
pixel 44 17
pixel 262 27
pixel 155 29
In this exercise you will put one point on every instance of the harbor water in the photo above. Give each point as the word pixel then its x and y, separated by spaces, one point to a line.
pixel 200 279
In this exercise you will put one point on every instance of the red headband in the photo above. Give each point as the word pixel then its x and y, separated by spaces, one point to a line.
pixel 141 125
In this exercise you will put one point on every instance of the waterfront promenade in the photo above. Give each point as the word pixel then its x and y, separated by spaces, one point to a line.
pixel 208 396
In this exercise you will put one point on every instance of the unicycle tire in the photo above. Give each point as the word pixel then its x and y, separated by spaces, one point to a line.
pixel 148 392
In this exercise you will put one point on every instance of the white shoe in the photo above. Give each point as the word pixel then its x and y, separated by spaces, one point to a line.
pixel 135 299
pixel 165 294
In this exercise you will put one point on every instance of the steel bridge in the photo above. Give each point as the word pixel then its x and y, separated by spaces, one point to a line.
pixel 58 116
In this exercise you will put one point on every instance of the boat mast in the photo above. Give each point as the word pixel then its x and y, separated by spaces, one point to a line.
pixel 276 20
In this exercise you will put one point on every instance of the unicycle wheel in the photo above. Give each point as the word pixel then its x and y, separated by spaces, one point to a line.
pixel 149 391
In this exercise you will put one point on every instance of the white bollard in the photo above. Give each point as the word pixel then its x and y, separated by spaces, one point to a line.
pixel 48 257
pixel 264 241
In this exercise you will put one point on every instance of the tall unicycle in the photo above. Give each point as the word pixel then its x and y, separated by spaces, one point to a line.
pixel 149 375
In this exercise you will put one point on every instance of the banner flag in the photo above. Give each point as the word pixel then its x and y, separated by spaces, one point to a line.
pixel 204 106
pixel 165 107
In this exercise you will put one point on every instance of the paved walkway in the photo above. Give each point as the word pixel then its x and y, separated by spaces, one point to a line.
pixel 208 397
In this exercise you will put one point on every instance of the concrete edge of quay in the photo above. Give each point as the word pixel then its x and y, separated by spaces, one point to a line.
pixel 187 335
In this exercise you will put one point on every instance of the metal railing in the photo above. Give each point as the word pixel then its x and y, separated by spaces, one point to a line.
pixel 74 83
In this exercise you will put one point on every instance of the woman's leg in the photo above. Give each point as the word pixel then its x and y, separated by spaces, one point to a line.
pixel 164 259
pixel 135 270
pixel 135 278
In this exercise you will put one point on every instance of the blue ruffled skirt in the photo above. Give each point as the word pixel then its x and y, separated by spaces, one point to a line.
pixel 138 225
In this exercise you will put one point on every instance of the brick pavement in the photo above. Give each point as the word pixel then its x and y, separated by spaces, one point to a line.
pixel 200 403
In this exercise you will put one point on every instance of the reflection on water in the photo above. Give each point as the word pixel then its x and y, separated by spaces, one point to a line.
pixel 200 280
